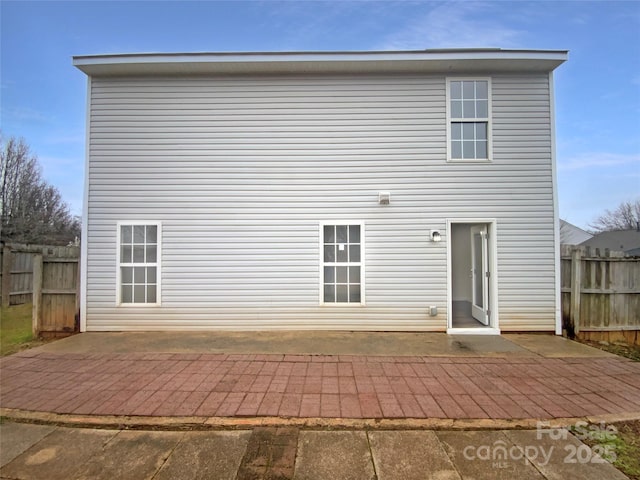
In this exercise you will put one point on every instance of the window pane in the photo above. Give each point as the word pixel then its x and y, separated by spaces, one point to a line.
pixel 341 274
pixel 481 131
pixel 468 90
pixel 139 245
pixel 151 253
pixel 354 233
pixel 468 131
pixel 329 253
pixel 482 90
pixel 341 234
pixel 342 293
pixel 468 149
pixel 456 150
pixel 139 274
pixel 482 109
pixel 456 131
pixel 341 245
pixel 138 234
pixel 329 274
pixel 354 253
pixel 125 254
pixel 126 294
pixel 152 234
pixel 469 109
pixel 329 293
pixel 354 275
pixel 456 90
pixel 456 109
pixel 126 274
pixel 329 234
pixel 138 254
pixel 125 233
pixel 341 253
pixel 481 149
pixel 354 293
pixel 151 294
pixel 151 275
pixel 139 294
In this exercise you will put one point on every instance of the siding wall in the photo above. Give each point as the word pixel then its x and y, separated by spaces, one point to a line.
pixel 242 170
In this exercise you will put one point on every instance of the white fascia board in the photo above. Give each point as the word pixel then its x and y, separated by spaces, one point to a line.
pixel 450 61
pixel 556 212
pixel 84 236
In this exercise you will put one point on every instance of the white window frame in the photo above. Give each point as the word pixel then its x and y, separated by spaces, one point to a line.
pixel 158 263
pixel 361 263
pixel 488 120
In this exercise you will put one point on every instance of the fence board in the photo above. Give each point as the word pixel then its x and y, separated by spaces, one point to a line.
pixel 59 285
pixel 21 278
pixel 600 292
pixel 48 277
pixel 5 284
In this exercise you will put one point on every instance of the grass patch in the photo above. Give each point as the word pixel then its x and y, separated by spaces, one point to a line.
pixel 625 444
pixel 15 329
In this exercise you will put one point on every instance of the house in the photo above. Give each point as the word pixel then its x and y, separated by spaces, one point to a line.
pixel 405 191
pixel 572 235
pixel 627 241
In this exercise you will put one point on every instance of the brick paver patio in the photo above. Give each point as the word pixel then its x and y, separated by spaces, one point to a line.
pixel 318 386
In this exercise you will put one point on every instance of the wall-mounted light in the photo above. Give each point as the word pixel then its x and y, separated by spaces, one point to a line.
pixel 384 198
pixel 435 235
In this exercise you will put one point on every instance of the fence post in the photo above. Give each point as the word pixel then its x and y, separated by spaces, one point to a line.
pixel 6 276
pixel 37 294
pixel 76 327
pixel 576 284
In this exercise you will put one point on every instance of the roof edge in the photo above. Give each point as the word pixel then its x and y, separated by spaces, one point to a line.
pixel 318 53
pixel 309 61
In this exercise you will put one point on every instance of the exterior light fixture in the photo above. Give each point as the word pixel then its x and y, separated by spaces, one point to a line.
pixel 384 198
pixel 435 235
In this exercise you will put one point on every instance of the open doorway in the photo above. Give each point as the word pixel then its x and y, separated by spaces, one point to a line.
pixel 471 277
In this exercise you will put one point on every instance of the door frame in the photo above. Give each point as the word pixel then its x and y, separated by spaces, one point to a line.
pixel 494 321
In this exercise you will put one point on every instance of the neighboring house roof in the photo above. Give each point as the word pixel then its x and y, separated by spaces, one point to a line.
pixel 446 60
pixel 572 235
pixel 626 241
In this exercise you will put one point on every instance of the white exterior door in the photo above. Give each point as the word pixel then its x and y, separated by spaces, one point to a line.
pixel 480 274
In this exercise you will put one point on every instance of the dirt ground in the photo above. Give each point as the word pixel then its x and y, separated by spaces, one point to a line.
pixel 617 348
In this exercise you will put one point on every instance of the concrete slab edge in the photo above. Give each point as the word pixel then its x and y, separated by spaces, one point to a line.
pixel 245 423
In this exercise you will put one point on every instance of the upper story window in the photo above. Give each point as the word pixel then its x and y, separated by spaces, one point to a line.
pixel 138 263
pixel 469 116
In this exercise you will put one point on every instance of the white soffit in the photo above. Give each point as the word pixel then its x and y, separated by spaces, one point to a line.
pixel 452 61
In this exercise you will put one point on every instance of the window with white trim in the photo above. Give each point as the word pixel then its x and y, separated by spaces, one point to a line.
pixel 138 263
pixel 468 111
pixel 342 263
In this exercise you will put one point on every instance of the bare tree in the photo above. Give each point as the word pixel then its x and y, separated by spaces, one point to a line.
pixel 32 211
pixel 624 217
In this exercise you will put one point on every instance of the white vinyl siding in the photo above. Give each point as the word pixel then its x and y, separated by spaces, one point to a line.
pixel 241 170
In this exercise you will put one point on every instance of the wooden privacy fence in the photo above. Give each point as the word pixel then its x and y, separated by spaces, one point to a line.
pixel 47 277
pixel 600 294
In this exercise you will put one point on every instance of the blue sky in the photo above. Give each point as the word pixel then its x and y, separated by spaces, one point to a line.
pixel 597 90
